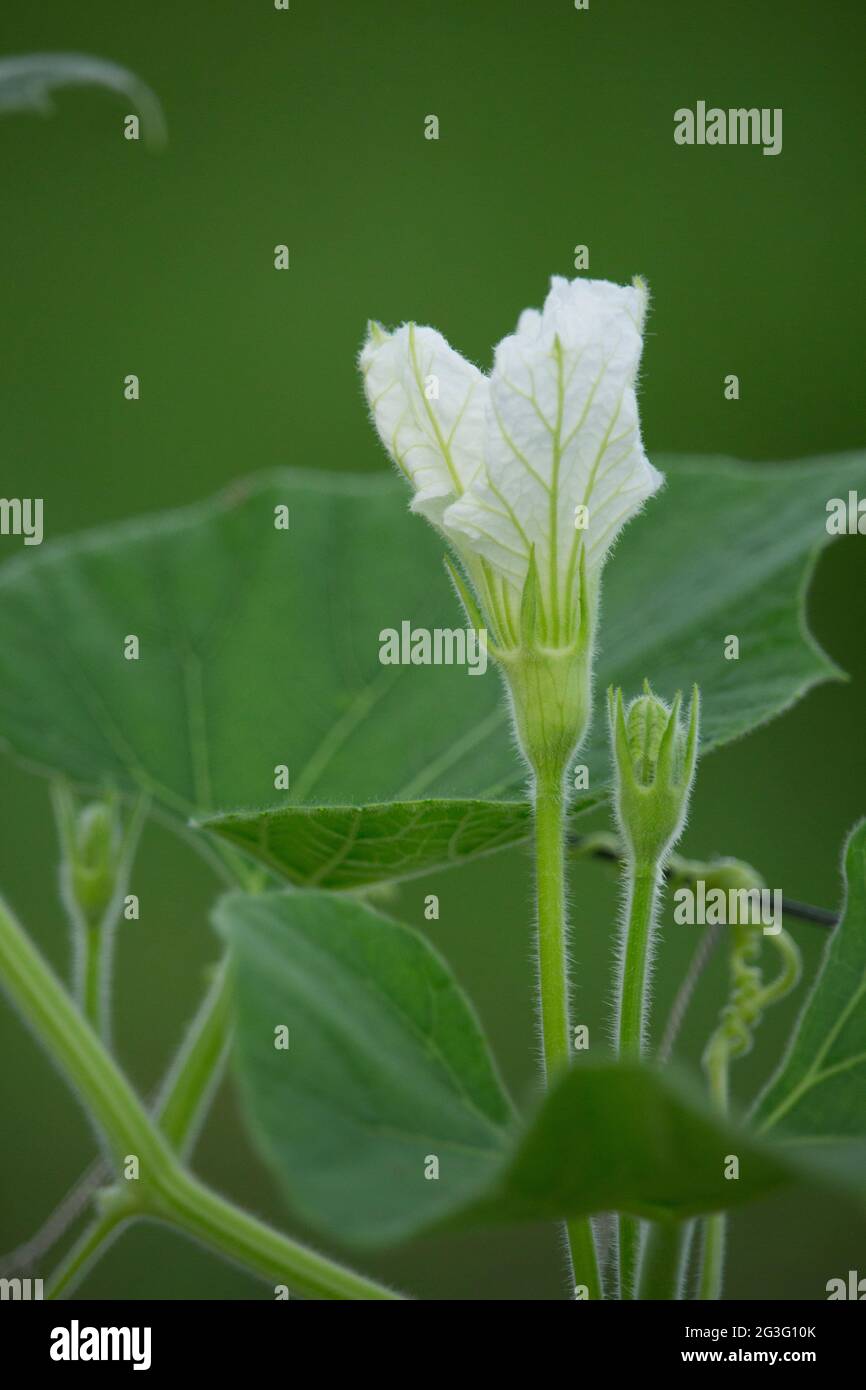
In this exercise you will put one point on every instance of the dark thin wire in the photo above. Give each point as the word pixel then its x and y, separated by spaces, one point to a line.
pixel 792 907
pixel 819 916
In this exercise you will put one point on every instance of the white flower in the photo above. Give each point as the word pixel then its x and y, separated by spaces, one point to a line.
pixel 428 406
pixel 543 457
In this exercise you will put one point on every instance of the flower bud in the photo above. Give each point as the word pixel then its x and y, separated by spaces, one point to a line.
pixel 92 865
pixel 654 761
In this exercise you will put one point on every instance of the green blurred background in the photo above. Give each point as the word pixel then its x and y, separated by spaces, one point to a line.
pixel 306 127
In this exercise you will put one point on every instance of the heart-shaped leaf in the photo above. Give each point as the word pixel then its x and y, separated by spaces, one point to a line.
pixel 725 551
pixel 258 650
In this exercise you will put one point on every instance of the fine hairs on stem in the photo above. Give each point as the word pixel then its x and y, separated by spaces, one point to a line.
pixel 553 986
pixel 654 759
pixel 167 1190
pixel 634 957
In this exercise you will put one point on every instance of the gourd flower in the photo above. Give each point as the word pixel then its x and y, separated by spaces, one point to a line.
pixel 529 473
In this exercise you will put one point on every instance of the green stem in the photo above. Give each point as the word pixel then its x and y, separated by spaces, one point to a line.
pixel 644 880
pixel 643 886
pixel 713 1257
pixel 187 1089
pixel 91 976
pixel 551 929
pixel 93 937
pixel 88 974
pixel 663 1259
pixel 203 1214
pixel 717 1062
pixel 179 1109
pixel 91 1243
pixel 629 1247
pixel 166 1190
pixel 553 984
pixel 49 1011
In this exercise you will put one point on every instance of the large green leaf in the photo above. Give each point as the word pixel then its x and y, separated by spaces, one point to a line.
pixel 386 1063
pixel 726 549
pixel 260 647
pixel 622 1137
pixel 818 1095
pixel 386 1068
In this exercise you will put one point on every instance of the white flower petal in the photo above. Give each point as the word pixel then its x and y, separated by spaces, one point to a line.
pixel 562 430
pixel 428 405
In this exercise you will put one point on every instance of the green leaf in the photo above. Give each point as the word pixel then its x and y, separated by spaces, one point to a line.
pixel 386 1063
pixel 617 1136
pixel 725 549
pixel 386 1067
pixel 818 1095
pixel 260 647
pixel 352 846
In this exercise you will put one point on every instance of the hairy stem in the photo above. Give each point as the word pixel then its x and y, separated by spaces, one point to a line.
pixel 715 1227
pixel 713 1257
pixel 553 984
pixel 663 1259
pixel 603 845
pixel 179 1109
pixel 203 1214
pixel 643 886
pixel 165 1190
pixel 185 1095
pixel 68 1037
pixel 632 996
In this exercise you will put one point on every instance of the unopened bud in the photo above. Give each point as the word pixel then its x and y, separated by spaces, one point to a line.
pixel 654 756
pixel 91 867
